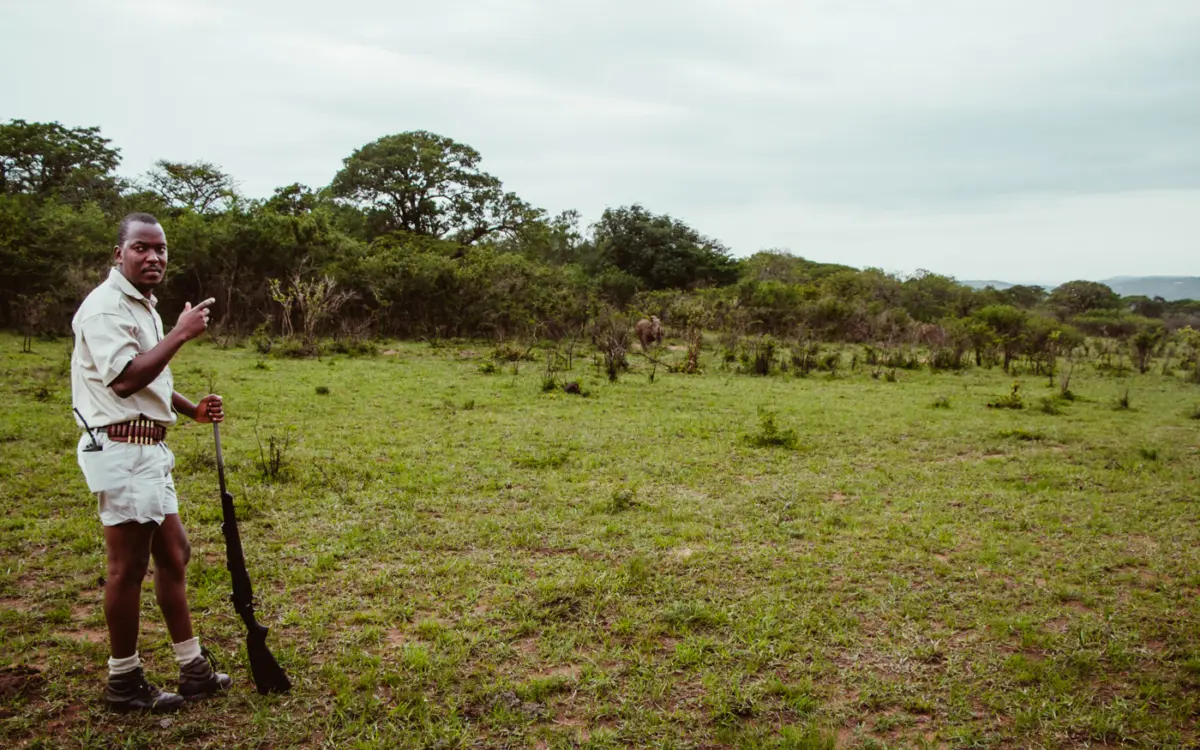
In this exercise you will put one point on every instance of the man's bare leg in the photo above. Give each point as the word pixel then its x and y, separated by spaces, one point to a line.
pixel 172 551
pixel 128 548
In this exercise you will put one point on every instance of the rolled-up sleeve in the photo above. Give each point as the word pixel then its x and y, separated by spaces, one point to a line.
pixel 112 341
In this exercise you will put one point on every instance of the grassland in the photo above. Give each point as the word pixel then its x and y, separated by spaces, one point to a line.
pixel 449 558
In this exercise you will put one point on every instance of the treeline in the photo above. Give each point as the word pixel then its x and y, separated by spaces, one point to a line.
pixel 412 238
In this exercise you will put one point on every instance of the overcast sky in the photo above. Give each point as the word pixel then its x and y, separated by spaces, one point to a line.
pixel 1023 140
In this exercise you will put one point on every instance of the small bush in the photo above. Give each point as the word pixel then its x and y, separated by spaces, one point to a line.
pixel 804 358
pixel 769 435
pixel 296 349
pixel 891 376
pixel 512 353
pixel 941 402
pixel 272 457
pixel 354 347
pixel 489 368
pixel 622 499
pixel 322 390
pixel 1049 405
pixel 1149 454
pixel 1012 401
pixel 760 357
pixel 1123 403
pixel 1022 435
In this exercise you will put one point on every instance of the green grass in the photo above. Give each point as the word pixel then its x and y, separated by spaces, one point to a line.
pixel 449 558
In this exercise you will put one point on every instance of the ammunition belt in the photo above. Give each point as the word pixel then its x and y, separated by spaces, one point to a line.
pixel 139 431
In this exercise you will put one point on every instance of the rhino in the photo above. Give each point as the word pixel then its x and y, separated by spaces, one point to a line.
pixel 649 331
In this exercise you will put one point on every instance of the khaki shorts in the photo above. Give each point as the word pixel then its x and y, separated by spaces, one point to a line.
pixel 131 482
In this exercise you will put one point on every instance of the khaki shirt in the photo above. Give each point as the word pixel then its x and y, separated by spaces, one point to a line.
pixel 112 326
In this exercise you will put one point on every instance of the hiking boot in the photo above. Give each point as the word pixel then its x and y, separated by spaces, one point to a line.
pixel 198 679
pixel 130 692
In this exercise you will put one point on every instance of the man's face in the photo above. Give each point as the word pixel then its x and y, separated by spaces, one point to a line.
pixel 143 257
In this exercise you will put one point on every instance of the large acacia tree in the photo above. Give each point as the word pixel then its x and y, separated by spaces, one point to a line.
pixel 199 186
pixel 428 184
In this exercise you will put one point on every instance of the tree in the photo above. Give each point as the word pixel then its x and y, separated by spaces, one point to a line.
pixel 53 248
pixel 1144 342
pixel 929 296
pixel 199 186
pixel 423 183
pixel 1145 306
pixel 1077 297
pixel 659 251
pixel 292 200
pixel 48 160
pixel 1022 296
pixel 1007 325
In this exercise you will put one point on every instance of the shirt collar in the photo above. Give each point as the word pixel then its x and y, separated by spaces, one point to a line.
pixel 116 277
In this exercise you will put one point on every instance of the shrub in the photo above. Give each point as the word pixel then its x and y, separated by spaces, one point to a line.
pixel 622 499
pixel 1049 405
pixel 769 435
pixel 505 352
pixel 1123 403
pixel 549 459
pixel 354 347
pixel 272 457
pixel 804 358
pixel 1022 435
pixel 1012 401
pixel 295 349
pixel 941 402
pixel 322 390
pixel 612 337
pixel 489 368
pixel 760 358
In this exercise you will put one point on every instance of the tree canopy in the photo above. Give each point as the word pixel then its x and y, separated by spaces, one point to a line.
pixel 48 160
pixel 661 252
pixel 419 240
pixel 423 183
pixel 198 186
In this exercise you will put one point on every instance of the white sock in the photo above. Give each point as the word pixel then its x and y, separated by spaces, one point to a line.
pixel 187 650
pixel 118 667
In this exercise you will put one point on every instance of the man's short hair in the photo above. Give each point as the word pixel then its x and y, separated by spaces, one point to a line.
pixel 129 220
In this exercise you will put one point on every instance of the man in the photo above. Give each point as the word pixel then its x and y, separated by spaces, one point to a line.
pixel 124 395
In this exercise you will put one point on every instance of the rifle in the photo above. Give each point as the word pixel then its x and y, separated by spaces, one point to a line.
pixel 268 675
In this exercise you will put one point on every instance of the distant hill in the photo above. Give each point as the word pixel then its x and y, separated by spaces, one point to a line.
pixel 974 284
pixel 1167 287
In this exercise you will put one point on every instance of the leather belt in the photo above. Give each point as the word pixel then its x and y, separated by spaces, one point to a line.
pixel 139 431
